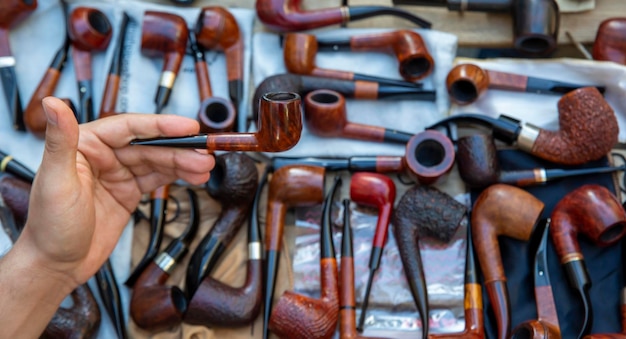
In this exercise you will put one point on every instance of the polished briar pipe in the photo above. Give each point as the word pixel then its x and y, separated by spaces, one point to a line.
pixel 164 35
pixel 279 128
pixel 288 15
pixel 233 181
pixel 423 211
pixel 477 162
pixel 298 316
pixel 89 30
pixel 501 210
pixel 12 13
pixel 217 29
pixel 467 82
pixel 610 42
pixel 14 195
pixel 215 114
pixel 300 51
pixel 415 61
pixel 155 306
pixel 10 165
pixel 82 320
pixel 374 190
pixel 325 115
pixel 215 303
pixel 111 88
pixel 593 211
pixel 290 186
pixel 588 129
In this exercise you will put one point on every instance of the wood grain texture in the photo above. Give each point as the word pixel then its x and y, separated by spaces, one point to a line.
pixel 473 311
pixel 299 53
pixel 429 155
pixel 289 15
pixel 466 82
pixel 477 160
pixel 217 29
pixel 34 116
pixel 164 35
pixel 89 29
pixel 507 81
pixel 109 96
pixel 610 42
pixel 13 12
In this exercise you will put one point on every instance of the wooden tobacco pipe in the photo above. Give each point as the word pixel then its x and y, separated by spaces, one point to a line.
pixel 111 88
pixel 298 316
pixel 215 114
pixel 288 15
pixel 14 198
pixel 593 211
pixel 610 42
pixel 290 186
pixel 10 165
pixel 164 35
pixel 155 306
pixel 110 295
pixel 279 128
pixel 300 51
pixel 477 162
pixel 325 115
pixel 467 82
pixel 81 320
pixel 215 303
pixel 588 129
pixel 508 211
pixel 89 31
pixel 423 211
pixel 217 29
pixel 12 13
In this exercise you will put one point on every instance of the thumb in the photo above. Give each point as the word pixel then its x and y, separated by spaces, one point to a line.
pixel 59 157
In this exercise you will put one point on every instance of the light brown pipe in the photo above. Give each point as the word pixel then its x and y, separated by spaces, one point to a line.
pixel 501 210
pixel 610 42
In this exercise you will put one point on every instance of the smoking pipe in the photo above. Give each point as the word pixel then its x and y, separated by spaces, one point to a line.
pixel 12 13
pixel 164 35
pixel 423 211
pixel 290 186
pixel 374 190
pixel 467 82
pixel 279 128
pixel 588 129
pixel 508 211
pixel 325 115
pixel 215 114
pixel 89 31
pixel 110 296
pixel 288 15
pixel 593 211
pixel 111 88
pixel 298 316
pixel 215 303
pixel 610 42
pixel 415 62
pixel 155 306
pixel 81 320
pixel 477 162
pixel 217 29
pixel 233 181
pixel 300 51
pixel 11 165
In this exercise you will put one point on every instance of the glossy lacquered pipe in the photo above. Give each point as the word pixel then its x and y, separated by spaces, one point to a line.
pixel 414 59
pixel 279 128
pixel 112 86
pixel 325 115
pixel 155 306
pixel 289 186
pixel 218 304
pixel 11 165
pixel 423 208
pixel 299 54
pixel 288 15
pixel 90 31
pixel 467 82
pixel 501 210
pixel 298 316
pixel 164 35
pixel 610 41
pixel 81 320
pixel 595 212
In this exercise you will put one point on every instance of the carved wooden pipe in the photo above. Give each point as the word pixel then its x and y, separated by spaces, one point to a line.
pixel 89 30
pixel 290 186
pixel 325 115
pixel 111 88
pixel 300 51
pixel 610 42
pixel 467 82
pixel 164 35
pixel 279 128
pixel 298 316
pixel 593 211
pixel 501 210
pixel 82 320
pixel 12 13
pixel 155 306
pixel 288 15
pixel 421 211
pixel 215 303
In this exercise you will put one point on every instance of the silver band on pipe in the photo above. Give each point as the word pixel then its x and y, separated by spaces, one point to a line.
pixel 7 61
pixel 527 137
pixel 167 79
pixel 254 251
pixel 165 262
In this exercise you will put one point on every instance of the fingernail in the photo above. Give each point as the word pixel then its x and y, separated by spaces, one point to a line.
pixel 51 114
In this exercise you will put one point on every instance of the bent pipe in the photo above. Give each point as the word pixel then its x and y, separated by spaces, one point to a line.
pixel 610 44
pixel 501 210
pixel 82 320
pixel 423 207
pixel 288 15
pixel 593 211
